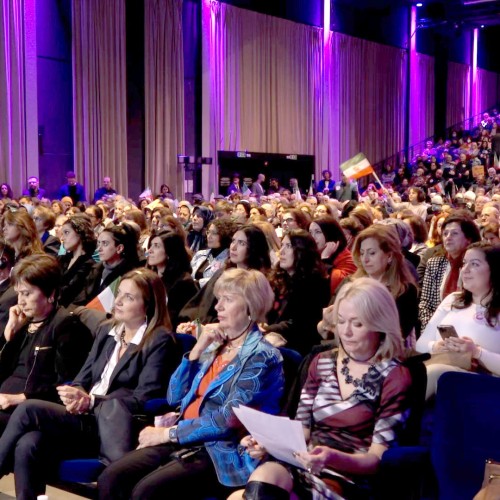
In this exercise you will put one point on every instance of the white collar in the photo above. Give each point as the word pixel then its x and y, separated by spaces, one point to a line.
pixel 137 338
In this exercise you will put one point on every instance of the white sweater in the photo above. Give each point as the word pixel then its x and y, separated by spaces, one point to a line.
pixel 468 322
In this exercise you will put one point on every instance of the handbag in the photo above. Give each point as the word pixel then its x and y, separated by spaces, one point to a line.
pixel 459 359
pixel 117 428
pixel 490 489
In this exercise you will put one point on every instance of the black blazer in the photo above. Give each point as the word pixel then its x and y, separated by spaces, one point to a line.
pixel 202 305
pixel 51 244
pixel 179 292
pixel 296 315
pixel 58 352
pixel 74 277
pixel 93 286
pixel 140 375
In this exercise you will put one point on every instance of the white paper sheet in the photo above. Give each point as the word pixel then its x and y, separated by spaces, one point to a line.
pixel 279 435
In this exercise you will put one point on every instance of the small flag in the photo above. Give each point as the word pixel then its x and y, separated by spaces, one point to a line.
pixel 105 301
pixel 358 166
pixel 311 187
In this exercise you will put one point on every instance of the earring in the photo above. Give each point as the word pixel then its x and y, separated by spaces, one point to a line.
pixel 50 300
pixel 249 318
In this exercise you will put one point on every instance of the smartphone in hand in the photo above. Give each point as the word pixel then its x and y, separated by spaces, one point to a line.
pixel 447 331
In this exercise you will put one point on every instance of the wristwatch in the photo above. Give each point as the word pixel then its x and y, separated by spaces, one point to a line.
pixel 172 434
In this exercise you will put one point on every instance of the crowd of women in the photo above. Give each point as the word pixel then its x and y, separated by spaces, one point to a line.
pixel 250 280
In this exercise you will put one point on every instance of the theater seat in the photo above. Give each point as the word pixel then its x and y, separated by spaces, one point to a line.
pixel 466 432
pixel 79 475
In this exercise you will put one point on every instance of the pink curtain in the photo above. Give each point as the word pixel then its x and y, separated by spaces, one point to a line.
pixel 276 87
pixel 458 93
pixel 486 90
pixel 164 93
pixel 422 101
pixel 99 93
pixel 367 99
pixel 265 85
pixel 14 135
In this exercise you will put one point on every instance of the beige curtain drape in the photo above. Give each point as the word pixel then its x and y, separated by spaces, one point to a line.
pixel 367 96
pixel 164 94
pixel 274 86
pixel 13 122
pixel 265 84
pixel 458 93
pixel 99 93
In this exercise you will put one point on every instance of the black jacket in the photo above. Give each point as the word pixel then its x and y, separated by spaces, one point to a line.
pixel 74 278
pixel 93 286
pixel 140 375
pixel 296 315
pixel 58 350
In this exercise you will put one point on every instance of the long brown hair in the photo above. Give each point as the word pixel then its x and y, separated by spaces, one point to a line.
pixel 397 276
pixel 30 243
pixel 155 301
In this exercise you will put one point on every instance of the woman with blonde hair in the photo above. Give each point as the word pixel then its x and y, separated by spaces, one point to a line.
pixel 231 364
pixel 377 253
pixel 352 406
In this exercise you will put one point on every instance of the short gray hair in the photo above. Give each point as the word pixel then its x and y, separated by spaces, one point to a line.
pixel 253 287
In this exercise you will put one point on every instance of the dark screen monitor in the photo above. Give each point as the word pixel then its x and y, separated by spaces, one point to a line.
pixel 250 164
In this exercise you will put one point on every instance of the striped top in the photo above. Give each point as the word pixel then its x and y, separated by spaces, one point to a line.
pixel 372 413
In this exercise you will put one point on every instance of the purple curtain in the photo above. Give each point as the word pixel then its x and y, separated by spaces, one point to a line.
pixel 99 92
pixel 265 84
pixel 458 93
pixel 422 100
pixel 164 93
pixel 367 95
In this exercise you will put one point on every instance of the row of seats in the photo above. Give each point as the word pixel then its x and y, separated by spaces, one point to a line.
pixel 449 467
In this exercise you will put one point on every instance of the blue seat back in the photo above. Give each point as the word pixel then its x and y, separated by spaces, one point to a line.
pixel 466 432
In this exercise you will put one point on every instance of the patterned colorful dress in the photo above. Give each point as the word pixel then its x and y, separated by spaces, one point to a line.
pixel 373 413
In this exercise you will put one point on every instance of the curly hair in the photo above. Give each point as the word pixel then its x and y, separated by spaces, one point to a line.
pixel 82 225
pixel 226 227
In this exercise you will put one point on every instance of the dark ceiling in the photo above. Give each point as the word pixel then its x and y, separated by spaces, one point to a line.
pixel 465 13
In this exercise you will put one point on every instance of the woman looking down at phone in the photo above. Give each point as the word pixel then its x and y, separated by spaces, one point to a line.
pixel 474 313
